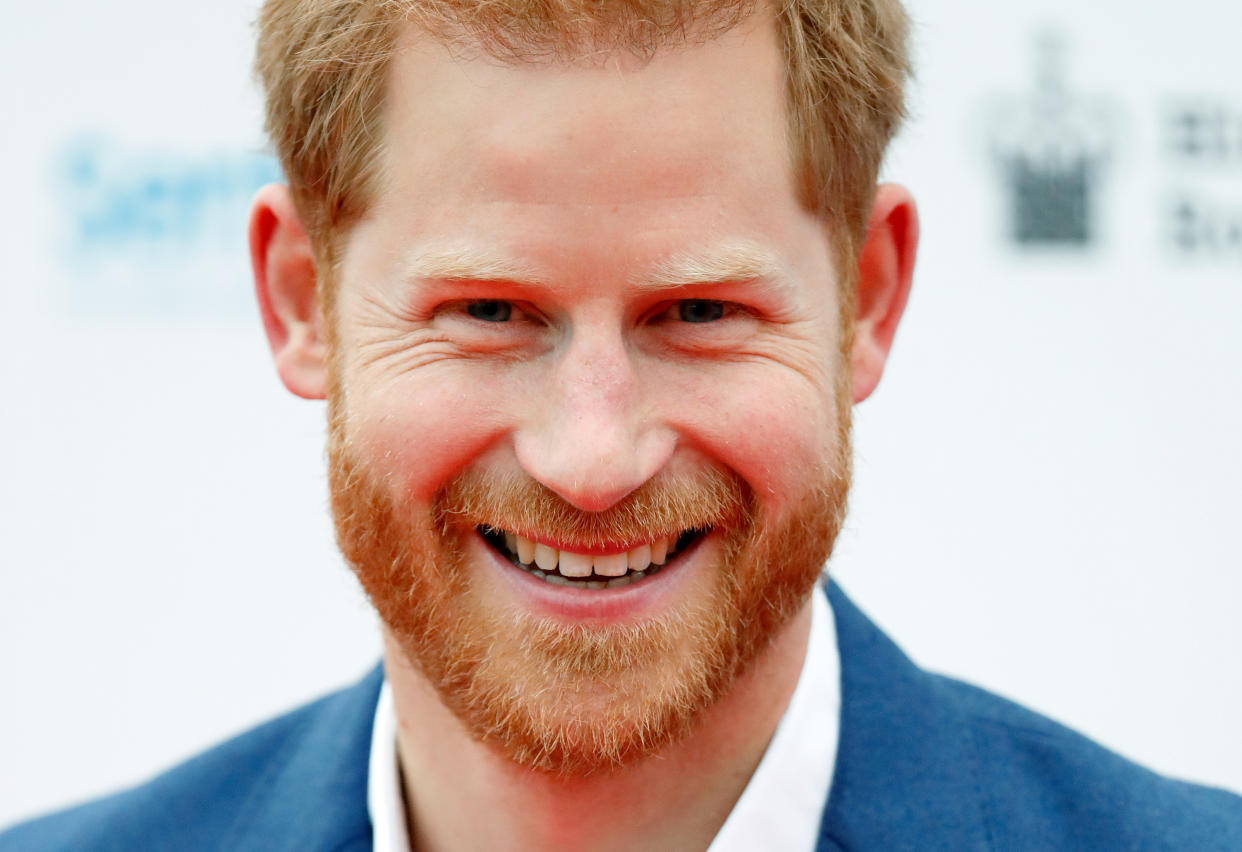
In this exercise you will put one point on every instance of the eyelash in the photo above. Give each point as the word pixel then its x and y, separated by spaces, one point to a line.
pixel 485 303
pixel 716 310
pixel 471 310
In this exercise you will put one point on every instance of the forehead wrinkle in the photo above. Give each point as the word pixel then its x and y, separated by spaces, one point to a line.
pixel 742 261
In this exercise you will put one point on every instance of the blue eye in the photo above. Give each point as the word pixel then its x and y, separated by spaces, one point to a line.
pixel 490 310
pixel 700 310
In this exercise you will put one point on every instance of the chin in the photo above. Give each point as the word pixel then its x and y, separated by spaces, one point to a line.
pixel 579 680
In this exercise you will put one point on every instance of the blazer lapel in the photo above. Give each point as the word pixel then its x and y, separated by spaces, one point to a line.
pixel 906 776
pixel 314 793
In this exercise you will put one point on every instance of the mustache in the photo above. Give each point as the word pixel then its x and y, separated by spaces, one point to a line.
pixel 667 504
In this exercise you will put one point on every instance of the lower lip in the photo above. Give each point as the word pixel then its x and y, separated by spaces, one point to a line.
pixel 644 599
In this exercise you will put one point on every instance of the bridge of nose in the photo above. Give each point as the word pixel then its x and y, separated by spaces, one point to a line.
pixel 596 433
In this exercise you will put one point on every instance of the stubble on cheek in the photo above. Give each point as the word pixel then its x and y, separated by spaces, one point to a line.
pixel 562 698
pixel 577 699
pixel 572 699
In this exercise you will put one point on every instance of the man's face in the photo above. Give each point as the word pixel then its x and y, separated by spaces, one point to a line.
pixel 587 311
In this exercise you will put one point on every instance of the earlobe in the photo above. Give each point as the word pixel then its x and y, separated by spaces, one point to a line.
pixel 885 273
pixel 283 263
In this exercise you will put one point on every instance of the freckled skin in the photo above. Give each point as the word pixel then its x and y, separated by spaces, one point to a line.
pixel 592 387
pixel 589 178
pixel 565 387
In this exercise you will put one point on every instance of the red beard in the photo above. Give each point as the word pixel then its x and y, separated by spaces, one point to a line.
pixel 578 698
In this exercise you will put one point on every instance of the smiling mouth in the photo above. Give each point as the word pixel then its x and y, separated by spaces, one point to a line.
pixel 586 570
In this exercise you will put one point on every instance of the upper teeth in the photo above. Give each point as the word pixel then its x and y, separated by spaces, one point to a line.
pixel 571 564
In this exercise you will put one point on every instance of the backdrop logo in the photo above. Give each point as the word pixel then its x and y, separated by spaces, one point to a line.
pixel 1203 148
pixel 1051 147
pixel 155 231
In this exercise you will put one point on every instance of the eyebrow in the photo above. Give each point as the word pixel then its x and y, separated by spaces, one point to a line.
pixel 466 264
pixel 729 262
pixel 737 261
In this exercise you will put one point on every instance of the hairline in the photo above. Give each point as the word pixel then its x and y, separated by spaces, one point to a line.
pixel 333 236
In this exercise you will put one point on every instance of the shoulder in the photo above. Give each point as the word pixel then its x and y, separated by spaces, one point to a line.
pixel 307 765
pixel 925 761
pixel 1039 778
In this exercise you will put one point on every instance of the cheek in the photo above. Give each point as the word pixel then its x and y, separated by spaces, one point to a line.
pixel 774 428
pixel 420 431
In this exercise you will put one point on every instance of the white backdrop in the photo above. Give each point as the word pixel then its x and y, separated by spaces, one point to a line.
pixel 1047 482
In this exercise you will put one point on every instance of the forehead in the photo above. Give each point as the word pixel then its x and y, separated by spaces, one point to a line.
pixel 692 140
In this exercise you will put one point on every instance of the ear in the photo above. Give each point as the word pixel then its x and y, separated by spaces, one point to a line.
pixel 885 272
pixel 284 282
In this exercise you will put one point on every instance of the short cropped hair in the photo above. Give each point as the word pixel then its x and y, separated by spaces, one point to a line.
pixel 323 65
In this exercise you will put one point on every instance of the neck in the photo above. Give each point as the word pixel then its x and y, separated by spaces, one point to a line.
pixel 461 794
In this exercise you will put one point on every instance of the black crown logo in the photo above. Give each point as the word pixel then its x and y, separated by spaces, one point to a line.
pixel 1051 148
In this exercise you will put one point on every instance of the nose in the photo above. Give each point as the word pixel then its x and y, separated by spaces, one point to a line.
pixel 594 435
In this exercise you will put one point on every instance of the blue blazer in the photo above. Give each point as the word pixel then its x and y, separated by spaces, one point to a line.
pixel 923 763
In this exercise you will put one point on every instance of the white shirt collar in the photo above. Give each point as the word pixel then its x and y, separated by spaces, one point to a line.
pixel 384 800
pixel 782 804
